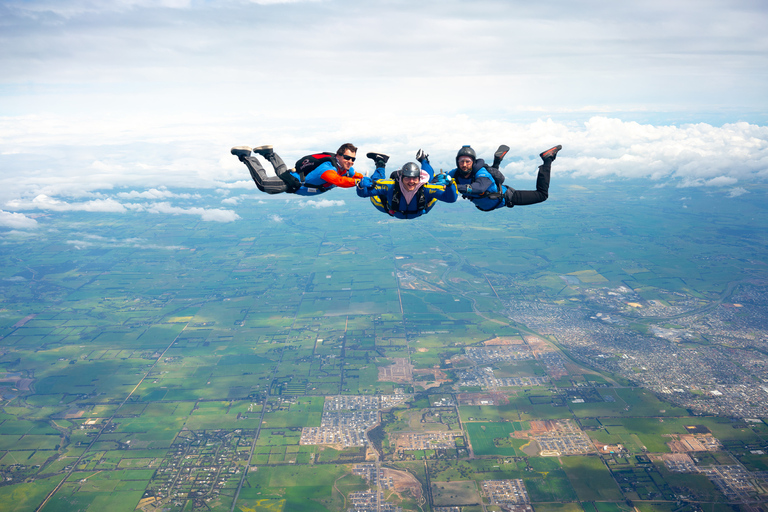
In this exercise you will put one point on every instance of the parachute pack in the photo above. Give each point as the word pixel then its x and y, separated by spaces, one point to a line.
pixel 309 163
pixel 304 166
pixel 498 177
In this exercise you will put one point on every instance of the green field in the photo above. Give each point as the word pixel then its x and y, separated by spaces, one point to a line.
pixel 144 355
pixel 494 439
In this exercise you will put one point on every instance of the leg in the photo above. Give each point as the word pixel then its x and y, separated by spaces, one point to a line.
pixel 378 174
pixel 268 184
pixel 269 154
pixel 277 163
pixel 523 197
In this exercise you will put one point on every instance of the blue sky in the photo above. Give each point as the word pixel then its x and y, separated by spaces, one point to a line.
pixel 97 97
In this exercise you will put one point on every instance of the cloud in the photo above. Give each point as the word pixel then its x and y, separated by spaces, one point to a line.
pixel 322 203
pixel 139 95
pixel 154 193
pixel 738 191
pixel 16 220
pixel 275 218
pixel 214 215
pixel 44 202
pixel 721 181
pixel 138 243
pixel 688 155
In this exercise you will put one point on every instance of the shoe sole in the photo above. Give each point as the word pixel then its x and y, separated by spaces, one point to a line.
pixel 551 152
pixel 241 151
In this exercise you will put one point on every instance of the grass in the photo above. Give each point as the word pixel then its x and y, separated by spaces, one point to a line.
pixel 591 479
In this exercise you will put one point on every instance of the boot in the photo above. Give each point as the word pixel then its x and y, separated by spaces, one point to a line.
pixel 264 151
pixel 379 159
pixel 550 154
pixel 241 151
pixel 499 155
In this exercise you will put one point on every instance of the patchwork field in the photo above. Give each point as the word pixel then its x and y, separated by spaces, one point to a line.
pixel 158 362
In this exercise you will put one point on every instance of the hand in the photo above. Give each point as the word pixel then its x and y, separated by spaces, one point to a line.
pixel 366 182
pixel 448 179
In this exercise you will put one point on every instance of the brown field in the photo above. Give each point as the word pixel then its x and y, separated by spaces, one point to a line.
pixel 400 371
pixel 404 482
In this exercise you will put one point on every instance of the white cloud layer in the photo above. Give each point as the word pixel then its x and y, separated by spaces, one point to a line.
pixel 432 55
pixel 601 147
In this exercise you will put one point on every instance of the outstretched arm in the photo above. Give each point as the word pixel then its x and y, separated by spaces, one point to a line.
pixel 369 188
pixel 332 177
pixel 450 194
pixel 478 187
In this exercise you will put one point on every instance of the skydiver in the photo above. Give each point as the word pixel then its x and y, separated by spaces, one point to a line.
pixel 476 181
pixel 313 174
pixel 407 193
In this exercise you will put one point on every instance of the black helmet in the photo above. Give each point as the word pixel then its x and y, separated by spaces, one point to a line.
pixel 410 170
pixel 466 151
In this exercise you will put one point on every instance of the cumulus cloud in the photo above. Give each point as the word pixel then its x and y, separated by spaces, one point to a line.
pixel 16 220
pixel 275 218
pixel 689 155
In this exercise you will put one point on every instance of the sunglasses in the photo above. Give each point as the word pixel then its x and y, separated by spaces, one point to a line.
pixel 350 158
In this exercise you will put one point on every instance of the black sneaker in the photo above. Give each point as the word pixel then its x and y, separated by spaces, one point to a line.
pixel 380 159
pixel 421 155
pixel 499 155
pixel 239 151
pixel 551 153
pixel 264 151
